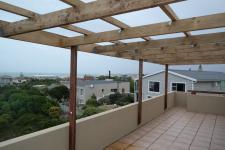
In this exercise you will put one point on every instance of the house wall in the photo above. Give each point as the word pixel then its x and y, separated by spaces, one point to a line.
pixel 5 81
pixel 97 89
pixel 81 99
pixel 161 78
pixel 207 86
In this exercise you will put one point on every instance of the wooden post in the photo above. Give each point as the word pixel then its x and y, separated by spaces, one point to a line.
pixel 140 91
pixel 72 100
pixel 166 86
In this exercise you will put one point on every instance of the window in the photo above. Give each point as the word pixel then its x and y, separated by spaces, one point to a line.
pixel 81 92
pixel 178 87
pixel 114 90
pixel 103 90
pixel 154 86
pixel 123 90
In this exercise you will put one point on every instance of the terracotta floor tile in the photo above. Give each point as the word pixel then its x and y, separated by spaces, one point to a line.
pixel 194 147
pixel 141 144
pixel 179 146
pixel 135 148
pixel 216 147
pixel 118 146
pixel 177 129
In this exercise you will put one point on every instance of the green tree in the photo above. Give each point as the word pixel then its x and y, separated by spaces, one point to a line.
pixel 54 112
pixel 131 86
pixel 91 110
pixel 59 92
pixel 92 101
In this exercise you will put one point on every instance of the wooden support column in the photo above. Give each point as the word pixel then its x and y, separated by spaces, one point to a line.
pixel 72 100
pixel 140 91
pixel 166 86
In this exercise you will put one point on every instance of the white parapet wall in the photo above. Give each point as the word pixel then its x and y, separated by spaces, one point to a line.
pixel 212 104
pixel 94 132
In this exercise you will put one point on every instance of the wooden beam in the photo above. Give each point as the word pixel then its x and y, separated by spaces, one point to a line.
pixel 181 41
pixel 30 14
pixel 110 20
pixel 184 25
pixel 93 10
pixel 188 62
pixel 206 53
pixel 74 3
pixel 140 91
pixel 17 10
pixel 188 49
pixel 172 15
pixel 77 29
pixel 166 87
pixel 72 100
pixel 205 50
pixel 39 37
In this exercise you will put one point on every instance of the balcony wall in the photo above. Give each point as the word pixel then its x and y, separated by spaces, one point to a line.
pixel 97 131
pixel 206 104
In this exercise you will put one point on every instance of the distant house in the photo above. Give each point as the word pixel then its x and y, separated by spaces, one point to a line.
pixel 182 80
pixel 43 77
pixel 5 80
pixel 100 88
pixel 19 81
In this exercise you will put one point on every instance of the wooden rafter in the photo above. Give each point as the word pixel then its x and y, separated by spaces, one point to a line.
pixel 101 8
pixel 187 62
pixel 184 25
pixel 199 50
pixel 47 38
pixel 41 37
pixel 30 14
pixel 172 15
pixel 169 55
pixel 193 40
pixel 110 20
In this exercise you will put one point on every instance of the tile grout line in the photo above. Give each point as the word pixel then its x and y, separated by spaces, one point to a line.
pixel 213 133
pixel 139 128
pixel 184 127
pixel 147 132
pixel 164 132
pixel 197 130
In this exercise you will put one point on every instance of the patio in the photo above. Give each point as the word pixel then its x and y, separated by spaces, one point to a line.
pixel 177 129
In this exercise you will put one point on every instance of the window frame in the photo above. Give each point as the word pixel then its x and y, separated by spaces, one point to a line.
pixel 149 86
pixel 81 93
pixel 171 86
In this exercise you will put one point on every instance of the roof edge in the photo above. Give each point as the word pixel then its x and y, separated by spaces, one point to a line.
pixel 171 72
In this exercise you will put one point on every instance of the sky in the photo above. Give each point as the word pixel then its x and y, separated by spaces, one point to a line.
pixel 18 56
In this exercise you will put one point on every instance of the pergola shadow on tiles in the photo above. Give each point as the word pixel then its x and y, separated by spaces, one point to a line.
pixel 198 49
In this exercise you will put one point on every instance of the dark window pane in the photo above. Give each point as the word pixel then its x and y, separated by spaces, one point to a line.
pixel 154 86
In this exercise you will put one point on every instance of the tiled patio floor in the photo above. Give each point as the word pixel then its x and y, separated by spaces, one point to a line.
pixel 177 129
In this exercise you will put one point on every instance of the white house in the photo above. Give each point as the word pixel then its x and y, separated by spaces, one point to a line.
pixel 181 80
pixel 5 80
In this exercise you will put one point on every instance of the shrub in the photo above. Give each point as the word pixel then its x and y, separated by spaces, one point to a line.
pixel 92 102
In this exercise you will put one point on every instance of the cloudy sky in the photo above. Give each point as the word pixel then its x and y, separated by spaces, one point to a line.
pixel 17 56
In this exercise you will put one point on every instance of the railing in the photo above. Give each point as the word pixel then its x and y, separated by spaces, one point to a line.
pixel 205 92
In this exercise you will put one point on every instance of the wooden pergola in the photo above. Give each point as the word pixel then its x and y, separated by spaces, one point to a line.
pixel 198 49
